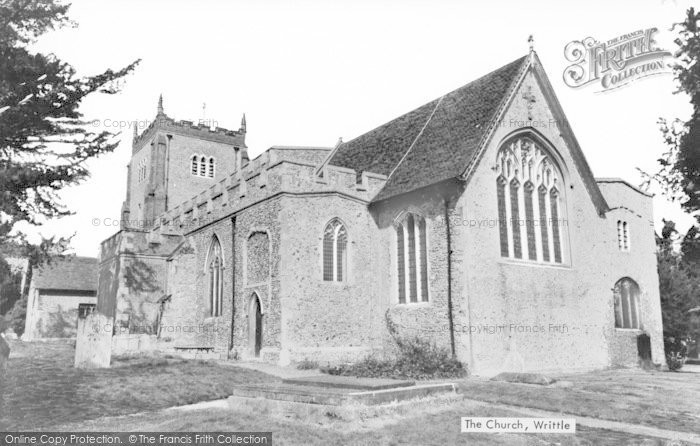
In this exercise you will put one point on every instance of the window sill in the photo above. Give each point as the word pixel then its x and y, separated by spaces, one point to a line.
pixel 337 283
pixel 255 285
pixel 413 304
pixel 629 330
pixel 522 262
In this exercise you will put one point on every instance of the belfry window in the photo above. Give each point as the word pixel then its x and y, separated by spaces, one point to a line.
pixel 412 259
pixel 530 202
pixel 200 166
pixel 335 241
pixel 210 172
pixel 623 236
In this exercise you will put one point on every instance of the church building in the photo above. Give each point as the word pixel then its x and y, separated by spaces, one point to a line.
pixel 473 221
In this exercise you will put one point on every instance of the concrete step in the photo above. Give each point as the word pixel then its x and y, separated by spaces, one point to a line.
pixel 348 382
pixel 337 396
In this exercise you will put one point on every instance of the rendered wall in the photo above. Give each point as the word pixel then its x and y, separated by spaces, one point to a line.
pixel 55 314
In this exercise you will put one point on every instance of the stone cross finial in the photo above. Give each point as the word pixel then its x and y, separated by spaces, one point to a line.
pixel 160 105
pixel 531 42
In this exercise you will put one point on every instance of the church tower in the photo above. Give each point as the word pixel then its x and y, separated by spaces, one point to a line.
pixel 172 161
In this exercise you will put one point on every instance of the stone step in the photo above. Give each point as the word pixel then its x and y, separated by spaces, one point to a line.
pixel 336 396
pixel 349 382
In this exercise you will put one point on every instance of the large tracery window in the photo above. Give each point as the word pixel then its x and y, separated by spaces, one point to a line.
pixel 215 268
pixel 530 202
pixel 627 311
pixel 335 241
pixel 412 259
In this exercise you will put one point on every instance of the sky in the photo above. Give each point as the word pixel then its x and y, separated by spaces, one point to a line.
pixel 308 72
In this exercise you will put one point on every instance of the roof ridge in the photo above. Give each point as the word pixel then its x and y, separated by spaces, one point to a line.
pixel 413 143
pixel 493 120
pixel 433 100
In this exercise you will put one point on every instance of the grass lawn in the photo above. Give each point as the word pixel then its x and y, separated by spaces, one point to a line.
pixel 43 391
pixel 665 400
pixel 434 421
pixel 41 388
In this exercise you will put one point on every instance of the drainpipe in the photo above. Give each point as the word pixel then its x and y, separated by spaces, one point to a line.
pixel 448 235
pixel 167 169
pixel 233 283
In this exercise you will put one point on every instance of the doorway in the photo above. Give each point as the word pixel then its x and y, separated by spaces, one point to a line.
pixel 255 326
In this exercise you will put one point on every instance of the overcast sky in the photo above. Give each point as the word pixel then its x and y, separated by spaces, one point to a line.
pixel 308 72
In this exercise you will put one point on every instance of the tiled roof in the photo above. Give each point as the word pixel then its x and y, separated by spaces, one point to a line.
pixel 434 142
pixel 68 273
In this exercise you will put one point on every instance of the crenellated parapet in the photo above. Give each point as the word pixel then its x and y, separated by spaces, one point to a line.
pixel 202 129
pixel 188 128
pixel 270 174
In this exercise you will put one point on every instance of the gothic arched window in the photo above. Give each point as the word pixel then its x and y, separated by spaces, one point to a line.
pixel 626 304
pixel 335 241
pixel 412 259
pixel 530 202
pixel 194 168
pixel 215 271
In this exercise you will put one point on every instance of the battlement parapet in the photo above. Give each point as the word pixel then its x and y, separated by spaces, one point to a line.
pixel 262 178
pixel 188 128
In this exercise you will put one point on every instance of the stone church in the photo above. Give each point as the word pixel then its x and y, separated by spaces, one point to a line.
pixel 473 221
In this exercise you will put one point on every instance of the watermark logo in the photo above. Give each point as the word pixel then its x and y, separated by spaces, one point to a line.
pixel 614 63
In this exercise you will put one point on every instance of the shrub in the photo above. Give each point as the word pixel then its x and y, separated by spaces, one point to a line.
pixel 676 353
pixel 675 361
pixel 416 359
pixel 307 364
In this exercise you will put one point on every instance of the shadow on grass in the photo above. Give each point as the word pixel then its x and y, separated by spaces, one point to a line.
pixel 43 390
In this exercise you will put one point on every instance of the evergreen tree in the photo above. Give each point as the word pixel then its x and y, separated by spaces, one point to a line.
pixel 44 142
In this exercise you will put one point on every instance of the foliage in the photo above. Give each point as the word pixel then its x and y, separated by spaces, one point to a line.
pixel 18 316
pixel 44 141
pixel 679 166
pixel 307 364
pixel 679 288
pixel 417 358
pixel 676 352
pixel 679 173
pixel 10 283
pixel 675 361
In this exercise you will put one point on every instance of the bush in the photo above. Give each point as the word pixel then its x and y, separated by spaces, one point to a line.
pixel 307 364
pixel 675 361
pixel 676 353
pixel 416 359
